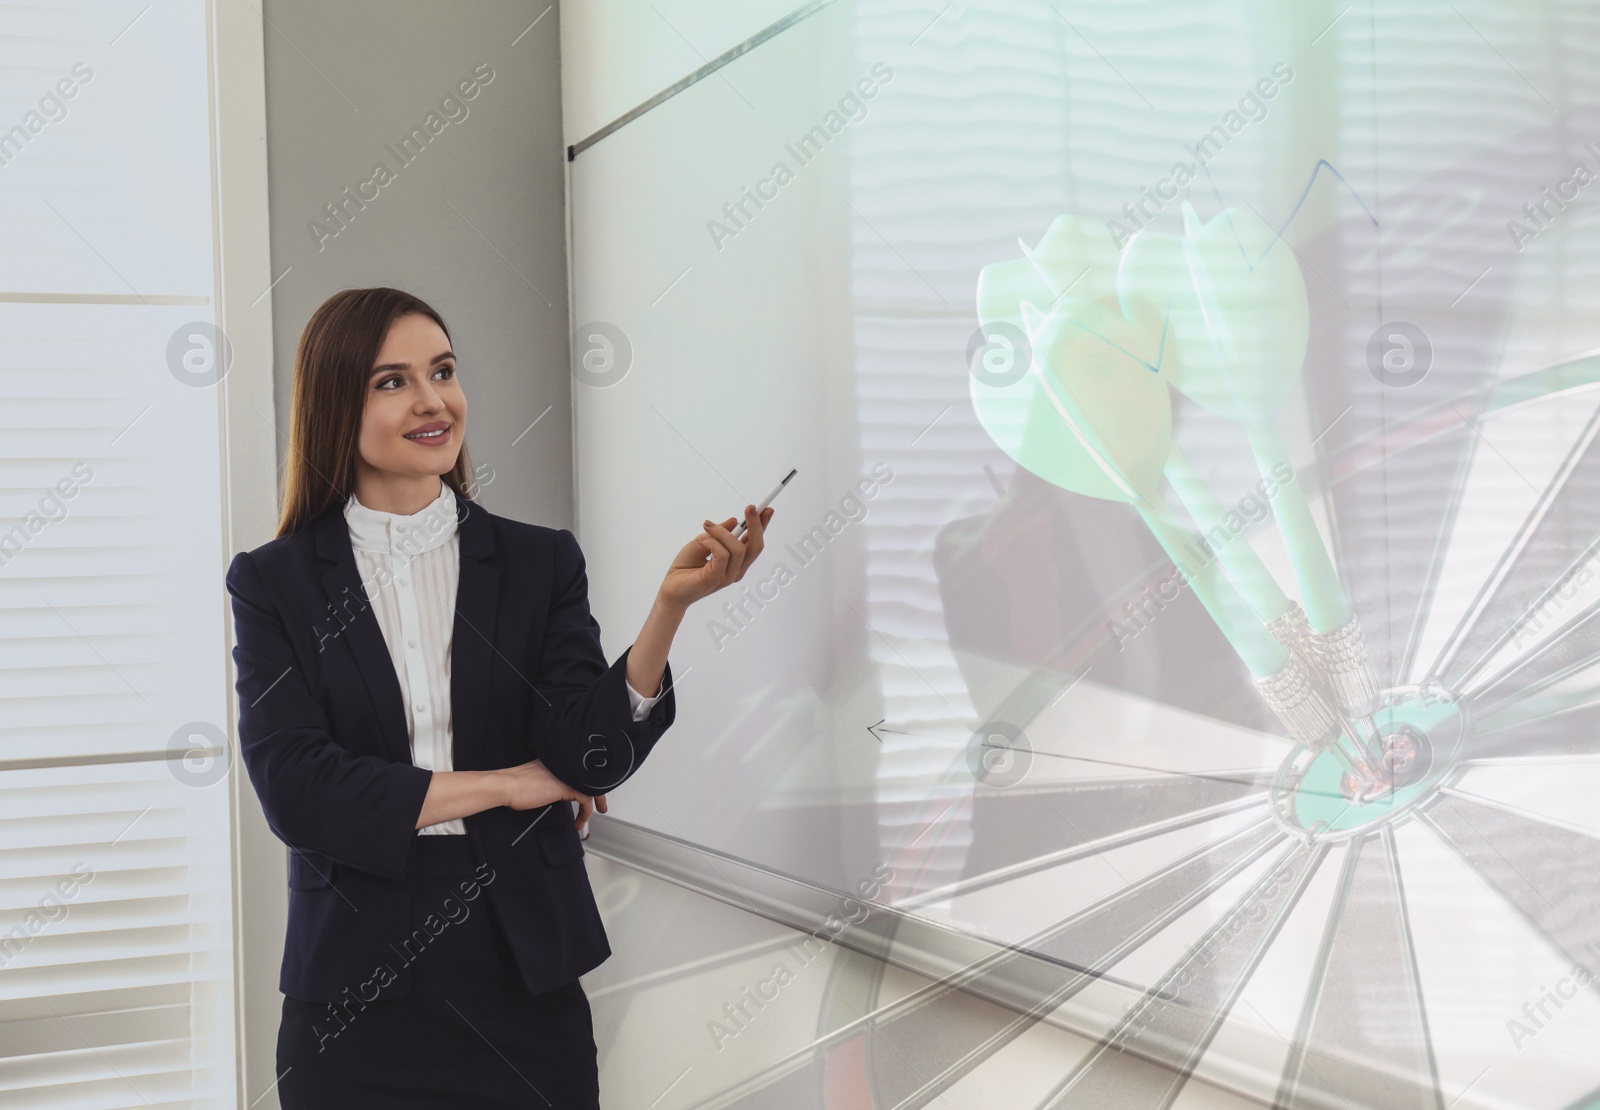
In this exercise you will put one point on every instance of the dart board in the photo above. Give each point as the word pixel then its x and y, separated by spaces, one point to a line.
pixel 1357 953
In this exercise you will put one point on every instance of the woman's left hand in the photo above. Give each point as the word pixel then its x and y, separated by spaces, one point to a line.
pixel 586 807
pixel 714 559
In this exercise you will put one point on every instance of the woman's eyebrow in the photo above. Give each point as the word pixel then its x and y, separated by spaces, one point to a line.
pixel 406 365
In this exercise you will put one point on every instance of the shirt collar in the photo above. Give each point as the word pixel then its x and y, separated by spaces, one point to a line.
pixel 400 533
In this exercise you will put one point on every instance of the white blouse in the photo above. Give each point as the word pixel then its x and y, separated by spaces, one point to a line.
pixel 410 566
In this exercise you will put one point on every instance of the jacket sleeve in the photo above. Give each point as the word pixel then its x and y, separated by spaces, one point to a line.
pixel 360 810
pixel 583 726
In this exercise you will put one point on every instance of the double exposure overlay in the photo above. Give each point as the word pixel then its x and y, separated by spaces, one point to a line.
pixel 1188 589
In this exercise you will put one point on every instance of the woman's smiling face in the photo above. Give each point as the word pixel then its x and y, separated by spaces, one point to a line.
pixel 413 391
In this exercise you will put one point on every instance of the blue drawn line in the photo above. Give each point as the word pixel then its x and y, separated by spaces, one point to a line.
pixel 1322 163
pixel 1113 346
pixel 1295 211
pixel 1161 348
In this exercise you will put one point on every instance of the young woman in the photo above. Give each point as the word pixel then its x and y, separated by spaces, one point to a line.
pixel 422 698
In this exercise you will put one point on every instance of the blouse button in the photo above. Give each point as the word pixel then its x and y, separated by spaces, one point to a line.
pixel 411 643
pixel 422 709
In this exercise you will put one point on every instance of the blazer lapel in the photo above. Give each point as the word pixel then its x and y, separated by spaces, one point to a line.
pixel 472 637
pixel 350 605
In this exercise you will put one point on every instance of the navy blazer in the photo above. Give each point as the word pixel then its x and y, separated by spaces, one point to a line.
pixel 322 733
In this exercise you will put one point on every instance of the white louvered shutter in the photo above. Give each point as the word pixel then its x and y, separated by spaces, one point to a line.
pixel 116 949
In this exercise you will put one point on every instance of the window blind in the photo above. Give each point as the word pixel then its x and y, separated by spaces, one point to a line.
pixel 116 947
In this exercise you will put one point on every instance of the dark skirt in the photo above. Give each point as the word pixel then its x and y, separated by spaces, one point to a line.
pixel 469 1034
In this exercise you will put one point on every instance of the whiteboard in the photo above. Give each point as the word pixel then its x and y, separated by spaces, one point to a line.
pixel 968 655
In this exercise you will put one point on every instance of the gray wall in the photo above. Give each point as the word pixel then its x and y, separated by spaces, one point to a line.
pixel 475 224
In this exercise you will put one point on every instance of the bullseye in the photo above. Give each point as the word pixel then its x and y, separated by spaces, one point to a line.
pixel 1422 730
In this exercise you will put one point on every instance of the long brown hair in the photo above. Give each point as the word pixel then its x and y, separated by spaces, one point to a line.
pixel 337 349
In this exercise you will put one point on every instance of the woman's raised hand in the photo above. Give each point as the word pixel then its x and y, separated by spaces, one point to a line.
pixel 531 785
pixel 714 559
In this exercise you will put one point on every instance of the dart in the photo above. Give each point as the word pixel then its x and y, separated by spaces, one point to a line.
pixel 1088 414
pixel 1238 312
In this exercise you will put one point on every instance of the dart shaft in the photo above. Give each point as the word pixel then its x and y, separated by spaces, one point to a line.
pixel 1261 653
pixel 1240 563
pixel 1324 599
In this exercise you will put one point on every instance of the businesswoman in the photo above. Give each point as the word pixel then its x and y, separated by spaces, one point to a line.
pixel 422 701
